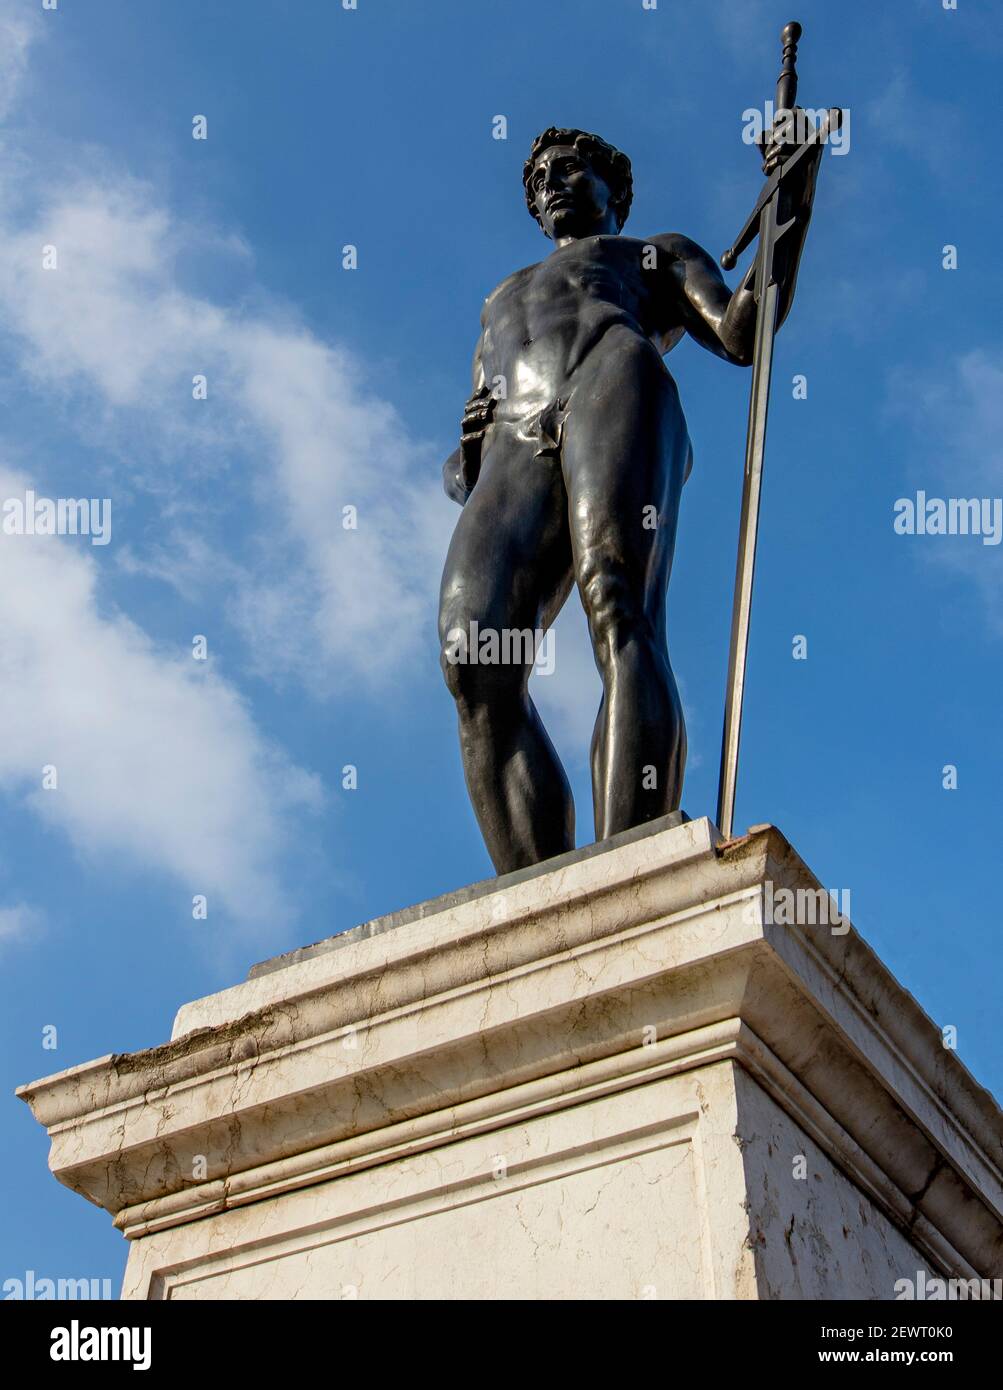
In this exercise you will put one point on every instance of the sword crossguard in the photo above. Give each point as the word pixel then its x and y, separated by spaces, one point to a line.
pixel 831 122
pixel 787 92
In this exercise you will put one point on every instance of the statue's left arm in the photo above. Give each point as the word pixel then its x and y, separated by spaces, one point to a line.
pixel 719 318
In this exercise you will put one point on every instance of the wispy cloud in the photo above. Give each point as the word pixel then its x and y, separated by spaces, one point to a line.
pixel 955 412
pixel 20 27
pixel 112 321
pixel 919 124
pixel 19 922
pixel 290 436
pixel 153 755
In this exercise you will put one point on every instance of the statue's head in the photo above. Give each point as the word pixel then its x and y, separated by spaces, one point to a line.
pixel 576 184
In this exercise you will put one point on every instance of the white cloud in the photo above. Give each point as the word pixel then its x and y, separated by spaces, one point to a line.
pixel 19 922
pixel 918 123
pixel 111 320
pixel 155 756
pixel 568 699
pixel 20 27
pixel 159 759
pixel 367 596
pixel 956 413
pixel 956 409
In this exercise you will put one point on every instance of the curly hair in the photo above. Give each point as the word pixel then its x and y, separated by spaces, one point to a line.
pixel 611 164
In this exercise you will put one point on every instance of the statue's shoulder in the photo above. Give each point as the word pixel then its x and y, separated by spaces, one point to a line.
pixel 511 282
pixel 674 243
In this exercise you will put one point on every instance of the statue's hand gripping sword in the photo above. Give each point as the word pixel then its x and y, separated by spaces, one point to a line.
pixel 763 220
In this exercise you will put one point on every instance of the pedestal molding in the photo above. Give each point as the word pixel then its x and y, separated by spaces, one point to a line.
pixel 548 997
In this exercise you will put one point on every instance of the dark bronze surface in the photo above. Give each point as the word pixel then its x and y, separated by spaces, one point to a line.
pixel 574 450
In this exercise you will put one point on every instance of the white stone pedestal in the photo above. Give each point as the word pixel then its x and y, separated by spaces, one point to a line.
pixel 610 1078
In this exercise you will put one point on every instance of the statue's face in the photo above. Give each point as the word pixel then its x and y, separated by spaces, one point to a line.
pixel 570 197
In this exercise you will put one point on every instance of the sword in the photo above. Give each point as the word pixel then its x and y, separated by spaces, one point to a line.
pixel 763 220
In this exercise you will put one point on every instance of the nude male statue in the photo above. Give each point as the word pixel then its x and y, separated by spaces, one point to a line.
pixel 572 442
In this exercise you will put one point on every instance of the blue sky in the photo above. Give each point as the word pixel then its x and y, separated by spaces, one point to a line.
pixel 329 388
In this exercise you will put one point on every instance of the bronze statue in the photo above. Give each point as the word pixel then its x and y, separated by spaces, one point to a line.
pixel 570 469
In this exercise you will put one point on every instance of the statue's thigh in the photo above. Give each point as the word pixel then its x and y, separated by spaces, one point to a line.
pixel 626 447
pixel 509 561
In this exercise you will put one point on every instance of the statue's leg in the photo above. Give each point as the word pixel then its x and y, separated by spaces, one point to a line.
pixel 626 450
pixel 508 571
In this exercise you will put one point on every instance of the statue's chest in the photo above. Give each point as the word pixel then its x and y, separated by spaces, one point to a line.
pixel 586 275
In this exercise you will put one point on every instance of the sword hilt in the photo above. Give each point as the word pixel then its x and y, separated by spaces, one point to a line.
pixel 787 95
pixel 787 82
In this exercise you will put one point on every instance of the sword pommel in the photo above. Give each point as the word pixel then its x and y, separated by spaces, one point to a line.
pixel 787 82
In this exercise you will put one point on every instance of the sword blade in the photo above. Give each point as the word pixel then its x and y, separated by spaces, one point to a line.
pixel 755 445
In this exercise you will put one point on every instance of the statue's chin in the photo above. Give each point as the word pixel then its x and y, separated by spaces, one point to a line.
pixel 565 224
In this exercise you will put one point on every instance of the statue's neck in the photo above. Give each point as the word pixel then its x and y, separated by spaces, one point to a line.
pixel 600 230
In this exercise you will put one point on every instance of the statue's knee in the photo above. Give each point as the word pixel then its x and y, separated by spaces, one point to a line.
pixel 455 669
pixel 614 611
pixel 469 682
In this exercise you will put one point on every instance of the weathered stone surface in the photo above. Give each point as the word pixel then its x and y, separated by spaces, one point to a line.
pixel 613 1078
